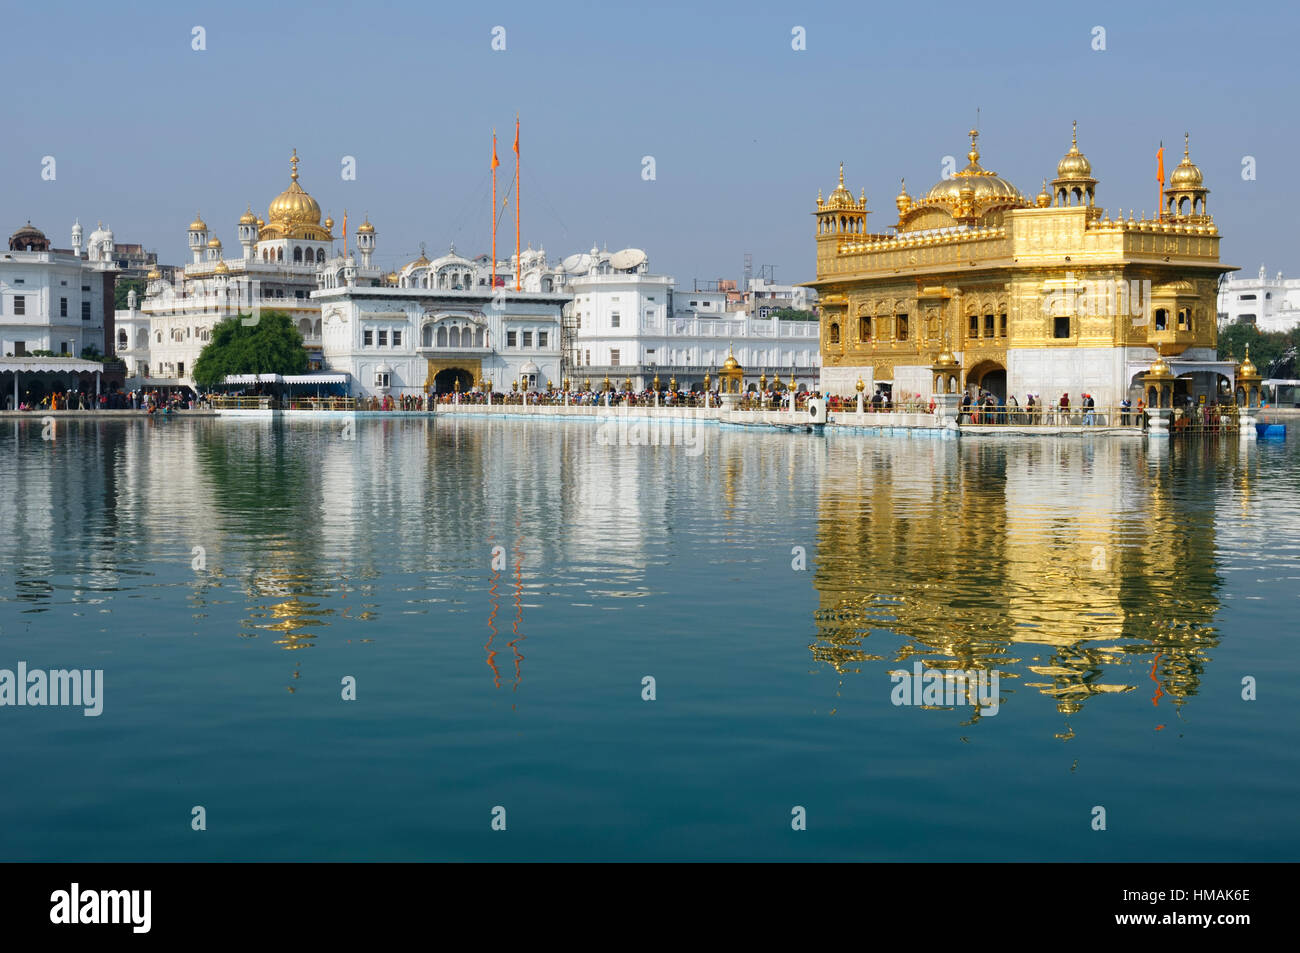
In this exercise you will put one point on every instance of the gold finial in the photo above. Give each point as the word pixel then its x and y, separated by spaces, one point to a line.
pixel 1074 137
pixel 293 163
pixel 841 174
pixel 974 153
pixel 1187 141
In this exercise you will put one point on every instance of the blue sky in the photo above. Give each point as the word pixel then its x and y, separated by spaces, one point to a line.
pixel 743 129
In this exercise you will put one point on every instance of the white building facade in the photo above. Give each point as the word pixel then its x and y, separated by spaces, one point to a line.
pixel 415 340
pixel 627 323
pixel 53 300
pixel 1270 304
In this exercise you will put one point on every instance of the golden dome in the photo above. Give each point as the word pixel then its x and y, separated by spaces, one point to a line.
pixel 841 196
pixel 154 274
pixel 261 223
pixel 1074 164
pixel 1186 175
pixel 904 201
pixel 198 225
pixel 1159 368
pixel 945 359
pixel 392 278
pixel 1247 368
pixel 365 228
pixel 987 188
pixel 248 218
pixel 214 242
pixel 293 206
pixel 1044 197
pixel 221 268
pixel 329 223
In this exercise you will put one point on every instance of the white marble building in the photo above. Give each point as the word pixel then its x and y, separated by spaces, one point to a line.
pixel 52 300
pixel 281 261
pixel 626 322
pixel 1271 304
pixel 394 340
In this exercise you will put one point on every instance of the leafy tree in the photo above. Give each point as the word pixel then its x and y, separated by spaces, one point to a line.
pixel 793 314
pixel 271 346
pixel 1265 346
pixel 122 287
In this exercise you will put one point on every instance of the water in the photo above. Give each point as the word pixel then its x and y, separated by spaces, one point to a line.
pixel 1121 591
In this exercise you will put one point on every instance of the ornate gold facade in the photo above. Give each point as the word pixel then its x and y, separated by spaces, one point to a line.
pixel 975 267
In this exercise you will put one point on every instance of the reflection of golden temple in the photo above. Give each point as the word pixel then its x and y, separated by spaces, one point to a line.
pixel 1052 564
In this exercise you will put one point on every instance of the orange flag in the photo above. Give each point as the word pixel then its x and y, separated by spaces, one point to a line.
pixel 516 137
pixel 495 161
pixel 1160 165
pixel 345 225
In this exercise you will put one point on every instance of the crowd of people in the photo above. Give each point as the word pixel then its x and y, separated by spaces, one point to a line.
pixel 145 400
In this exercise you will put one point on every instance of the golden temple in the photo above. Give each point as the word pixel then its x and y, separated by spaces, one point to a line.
pixel 1048 295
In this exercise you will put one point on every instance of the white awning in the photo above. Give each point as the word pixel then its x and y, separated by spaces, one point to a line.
pixel 253 379
pixel 56 365
pixel 315 378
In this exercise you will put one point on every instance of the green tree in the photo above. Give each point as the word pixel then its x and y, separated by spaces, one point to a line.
pixel 1265 346
pixel 122 287
pixel 794 314
pixel 271 346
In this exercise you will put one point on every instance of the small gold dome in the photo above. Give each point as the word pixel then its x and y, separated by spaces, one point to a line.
pixel 1074 165
pixel 248 218
pixel 221 268
pixel 329 224
pixel 365 228
pixel 1044 197
pixel 154 274
pixel 260 223
pixel 392 278
pixel 945 359
pixel 214 242
pixel 198 225
pixel 1159 368
pixel 861 385
pixel 904 201
pixel 1247 368
pixel 1186 175
pixel 841 196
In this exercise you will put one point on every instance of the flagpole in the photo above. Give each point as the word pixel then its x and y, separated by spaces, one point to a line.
pixel 518 256
pixel 1160 178
pixel 493 280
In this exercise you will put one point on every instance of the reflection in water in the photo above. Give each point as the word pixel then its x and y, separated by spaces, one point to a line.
pixel 1059 564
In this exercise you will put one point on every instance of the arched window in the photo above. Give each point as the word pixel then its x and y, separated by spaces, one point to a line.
pixel 835 333
pixel 320 256
pixel 478 338
pixel 280 254
pixel 454 338
pixel 442 337
pixel 297 253
pixel 304 327
pixel 316 327
pixel 121 340
pixel 864 327
pixel 1162 319
pixel 426 336
pixel 1184 319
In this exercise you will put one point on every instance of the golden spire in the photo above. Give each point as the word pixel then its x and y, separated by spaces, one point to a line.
pixel 293 165
pixel 974 154
pixel 841 173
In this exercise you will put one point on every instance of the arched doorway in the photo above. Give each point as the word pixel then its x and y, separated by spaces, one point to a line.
pixel 445 380
pixel 990 376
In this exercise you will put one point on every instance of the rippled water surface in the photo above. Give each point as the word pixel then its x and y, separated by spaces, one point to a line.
pixel 228 576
